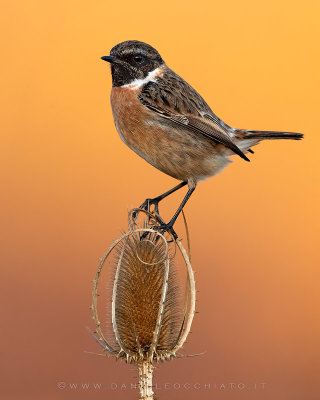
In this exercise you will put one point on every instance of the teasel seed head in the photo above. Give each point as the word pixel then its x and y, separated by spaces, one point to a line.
pixel 150 323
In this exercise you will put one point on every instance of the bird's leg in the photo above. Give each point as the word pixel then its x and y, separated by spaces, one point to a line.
pixel 162 227
pixel 169 226
pixel 148 202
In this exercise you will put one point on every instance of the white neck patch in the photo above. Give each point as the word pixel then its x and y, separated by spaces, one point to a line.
pixel 149 78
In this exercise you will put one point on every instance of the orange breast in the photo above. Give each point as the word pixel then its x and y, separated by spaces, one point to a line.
pixel 141 129
pixel 129 116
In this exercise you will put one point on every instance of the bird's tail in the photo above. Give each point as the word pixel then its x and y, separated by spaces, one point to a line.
pixel 270 135
pixel 245 139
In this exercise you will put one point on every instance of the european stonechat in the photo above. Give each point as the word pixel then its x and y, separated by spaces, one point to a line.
pixel 166 122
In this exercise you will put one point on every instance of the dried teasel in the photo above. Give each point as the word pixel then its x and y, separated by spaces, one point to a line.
pixel 150 323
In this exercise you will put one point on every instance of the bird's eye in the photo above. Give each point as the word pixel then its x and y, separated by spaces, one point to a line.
pixel 138 59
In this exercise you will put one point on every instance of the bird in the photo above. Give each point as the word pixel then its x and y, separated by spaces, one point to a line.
pixel 166 122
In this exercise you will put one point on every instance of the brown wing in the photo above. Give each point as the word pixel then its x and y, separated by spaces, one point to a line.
pixel 173 98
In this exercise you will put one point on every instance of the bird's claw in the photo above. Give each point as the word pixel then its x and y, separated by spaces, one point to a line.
pixel 163 228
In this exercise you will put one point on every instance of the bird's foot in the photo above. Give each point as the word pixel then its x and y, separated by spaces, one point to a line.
pixel 146 206
pixel 163 228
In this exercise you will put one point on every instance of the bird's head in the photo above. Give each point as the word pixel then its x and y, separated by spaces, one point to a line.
pixel 132 60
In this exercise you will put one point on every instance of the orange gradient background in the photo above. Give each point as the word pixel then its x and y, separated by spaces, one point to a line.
pixel 68 181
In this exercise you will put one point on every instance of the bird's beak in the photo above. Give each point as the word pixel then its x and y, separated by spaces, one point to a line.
pixel 109 59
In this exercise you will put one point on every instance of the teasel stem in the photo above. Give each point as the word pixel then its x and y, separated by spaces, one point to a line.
pixel 145 380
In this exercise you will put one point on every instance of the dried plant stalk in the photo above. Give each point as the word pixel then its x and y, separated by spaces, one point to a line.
pixel 145 369
pixel 149 324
